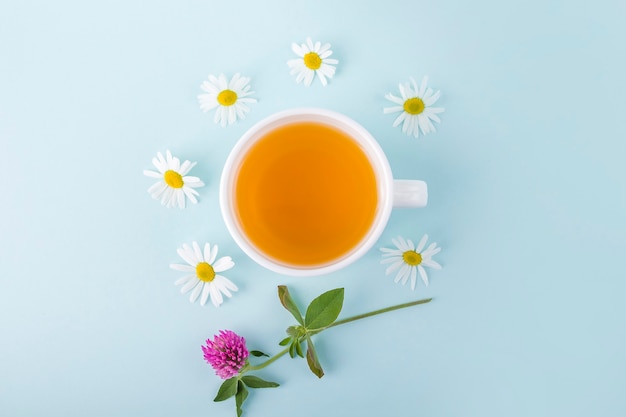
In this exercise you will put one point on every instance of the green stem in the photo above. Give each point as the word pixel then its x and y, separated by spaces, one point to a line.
pixel 269 361
pixel 339 322
pixel 381 311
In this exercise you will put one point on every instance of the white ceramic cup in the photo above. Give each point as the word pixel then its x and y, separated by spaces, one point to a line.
pixel 391 193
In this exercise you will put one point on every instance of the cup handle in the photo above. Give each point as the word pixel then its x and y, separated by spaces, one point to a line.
pixel 410 193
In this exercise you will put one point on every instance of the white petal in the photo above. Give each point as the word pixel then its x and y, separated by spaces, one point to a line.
pixel 206 290
pixel 213 254
pixel 294 62
pixel 391 259
pixel 207 253
pixel 422 89
pixel 407 273
pixel 391 251
pixel 412 86
pixel 226 283
pixel 180 196
pixel 218 282
pixel 420 245
pixel 413 278
pixel 432 116
pixel 239 110
pixel 216 296
pixel 193 181
pixel 403 92
pixel 428 126
pixel 436 109
pixel 185 167
pixel 297 49
pixel 400 119
pixel 157 189
pixel 206 107
pixel 394 99
pixel 152 174
pixel 184 280
pixel 196 292
pixel 232 117
pixel 197 251
pixel 190 284
pixel 223 116
pixel 409 125
pixel 222 82
pixel 175 164
pixel 430 263
pixel 432 250
pixel 234 82
pixel 413 128
pixel 184 268
pixel 214 81
pixel 402 244
pixel 159 163
pixel 432 99
pixel 394 109
pixel 166 198
pixel 325 53
pixel 186 255
pixel 209 88
pixel 246 100
pixel 423 274
pixel 322 78
pixel 302 73
pixel 308 77
pixel 190 194
pixel 327 70
pixel 402 274
pixel 393 267
pixel 223 264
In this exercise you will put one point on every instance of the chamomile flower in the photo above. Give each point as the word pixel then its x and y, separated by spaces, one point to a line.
pixel 408 260
pixel 229 97
pixel 314 59
pixel 415 105
pixel 204 280
pixel 173 184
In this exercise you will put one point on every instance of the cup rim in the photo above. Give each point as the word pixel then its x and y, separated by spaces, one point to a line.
pixel 357 132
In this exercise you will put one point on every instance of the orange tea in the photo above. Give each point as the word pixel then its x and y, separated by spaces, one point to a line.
pixel 305 194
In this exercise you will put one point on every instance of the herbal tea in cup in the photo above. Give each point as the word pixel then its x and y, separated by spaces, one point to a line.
pixel 308 191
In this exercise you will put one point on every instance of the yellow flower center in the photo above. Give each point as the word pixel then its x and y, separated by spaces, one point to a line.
pixel 412 258
pixel 205 272
pixel 312 61
pixel 173 179
pixel 414 105
pixel 227 97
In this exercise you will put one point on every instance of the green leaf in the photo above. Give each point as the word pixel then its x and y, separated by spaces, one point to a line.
pixel 293 331
pixel 285 341
pixel 288 303
pixel 258 353
pixel 324 310
pixel 299 349
pixel 292 349
pixel 242 394
pixel 312 360
pixel 227 389
pixel 256 382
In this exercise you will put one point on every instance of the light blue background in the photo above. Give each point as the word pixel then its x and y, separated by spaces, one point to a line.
pixel 527 198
